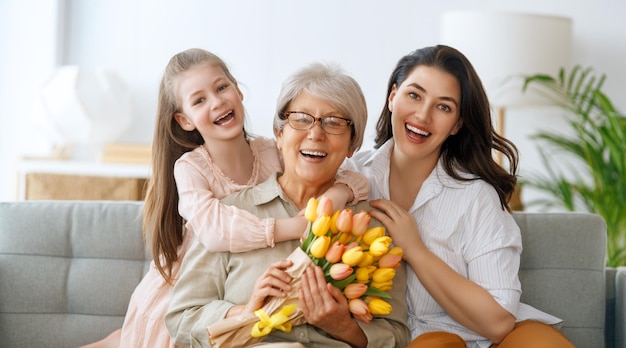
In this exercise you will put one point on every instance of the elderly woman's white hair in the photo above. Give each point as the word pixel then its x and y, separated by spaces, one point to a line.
pixel 330 83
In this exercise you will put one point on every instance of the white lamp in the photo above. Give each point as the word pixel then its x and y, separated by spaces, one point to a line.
pixel 89 108
pixel 503 45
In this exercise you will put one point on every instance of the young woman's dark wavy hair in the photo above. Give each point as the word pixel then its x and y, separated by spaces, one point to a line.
pixel 162 225
pixel 470 150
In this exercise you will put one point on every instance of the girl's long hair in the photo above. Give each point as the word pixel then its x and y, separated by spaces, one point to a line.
pixel 471 148
pixel 162 224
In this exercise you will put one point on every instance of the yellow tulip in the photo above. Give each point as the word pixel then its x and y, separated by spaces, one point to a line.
pixel 382 286
pixel 383 274
pixel 373 233
pixel 310 213
pixel 345 238
pixel 354 290
pixel 367 260
pixel 360 222
pixel 333 222
pixel 340 271
pixel 396 251
pixel 380 246
pixel 352 256
pixel 344 220
pixel 333 255
pixel 324 206
pixel 379 306
pixel 363 274
pixel 389 261
pixel 321 225
pixel 320 246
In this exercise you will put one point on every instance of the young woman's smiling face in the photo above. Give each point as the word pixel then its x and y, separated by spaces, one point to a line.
pixel 425 112
pixel 210 103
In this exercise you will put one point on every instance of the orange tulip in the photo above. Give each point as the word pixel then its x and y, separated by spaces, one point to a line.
pixel 390 261
pixel 360 222
pixel 344 220
pixel 364 318
pixel 310 213
pixel 340 271
pixel 358 306
pixel 325 206
pixel 333 255
pixel 354 290
pixel 320 246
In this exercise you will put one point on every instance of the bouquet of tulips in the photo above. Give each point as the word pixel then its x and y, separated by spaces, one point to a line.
pixel 358 260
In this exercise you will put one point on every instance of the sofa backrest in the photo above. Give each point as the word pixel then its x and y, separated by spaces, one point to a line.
pixel 67 270
pixel 563 271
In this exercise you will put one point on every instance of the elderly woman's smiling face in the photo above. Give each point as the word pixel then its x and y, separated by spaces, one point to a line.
pixel 313 155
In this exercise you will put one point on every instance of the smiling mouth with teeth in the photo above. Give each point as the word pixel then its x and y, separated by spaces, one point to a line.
pixel 229 116
pixel 313 153
pixel 417 131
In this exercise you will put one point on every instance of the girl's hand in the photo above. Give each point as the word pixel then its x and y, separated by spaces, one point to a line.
pixel 274 282
pixel 400 225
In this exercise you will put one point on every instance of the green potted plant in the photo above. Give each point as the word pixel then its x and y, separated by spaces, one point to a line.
pixel 596 142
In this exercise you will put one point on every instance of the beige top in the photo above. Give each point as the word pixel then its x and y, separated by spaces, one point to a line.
pixel 211 283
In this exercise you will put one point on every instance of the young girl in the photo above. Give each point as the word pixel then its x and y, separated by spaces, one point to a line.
pixel 443 199
pixel 201 152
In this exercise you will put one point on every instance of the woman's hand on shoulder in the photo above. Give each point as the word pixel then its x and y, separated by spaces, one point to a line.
pixel 400 225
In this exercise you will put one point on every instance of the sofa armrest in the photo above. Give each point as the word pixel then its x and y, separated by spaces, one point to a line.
pixel 620 308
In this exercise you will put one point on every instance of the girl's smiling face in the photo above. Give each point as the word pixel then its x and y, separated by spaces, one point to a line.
pixel 425 112
pixel 210 102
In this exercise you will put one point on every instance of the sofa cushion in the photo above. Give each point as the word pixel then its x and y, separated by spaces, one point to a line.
pixel 563 271
pixel 89 257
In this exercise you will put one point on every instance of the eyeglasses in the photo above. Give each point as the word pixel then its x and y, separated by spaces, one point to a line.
pixel 330 124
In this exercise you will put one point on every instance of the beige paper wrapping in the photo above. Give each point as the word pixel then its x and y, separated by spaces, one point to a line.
pixel 236 331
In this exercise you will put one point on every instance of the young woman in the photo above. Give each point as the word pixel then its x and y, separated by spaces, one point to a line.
pixel 201 152
pixel 444 200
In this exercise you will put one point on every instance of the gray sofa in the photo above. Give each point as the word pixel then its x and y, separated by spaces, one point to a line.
pixel 67 270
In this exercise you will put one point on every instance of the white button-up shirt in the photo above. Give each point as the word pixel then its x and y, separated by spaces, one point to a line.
pixel 463 223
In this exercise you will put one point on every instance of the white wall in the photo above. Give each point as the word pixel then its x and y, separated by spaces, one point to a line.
pixel 28 42
pixel 264 41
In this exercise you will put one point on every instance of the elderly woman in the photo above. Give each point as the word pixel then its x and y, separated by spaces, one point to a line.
pixel 320 121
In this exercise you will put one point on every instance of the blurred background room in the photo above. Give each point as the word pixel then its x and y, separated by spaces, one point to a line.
pixel 79 78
